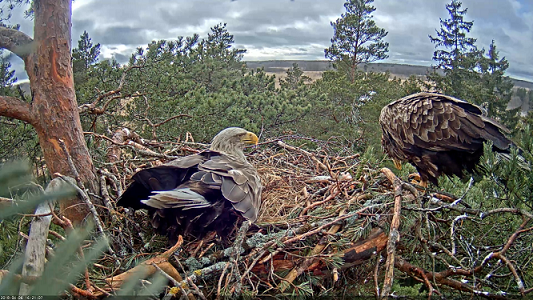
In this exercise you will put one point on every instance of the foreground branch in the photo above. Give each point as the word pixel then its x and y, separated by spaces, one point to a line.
pixel 394 234
pixel 442 278
pixel 34 256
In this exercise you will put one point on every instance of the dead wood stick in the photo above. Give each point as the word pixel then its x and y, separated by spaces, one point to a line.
pixel 236 254
pixel 193 253
pixel 394 234
pixel 81 192
pixel 358 253
pixel 295 272
pixel 92 106
pixel 173 278
pixel 375 275
pixel 114 180
pixel 219 285
pixel 515 235
pixel 71 164
pixel 334 194
pixel 92 209
pixel 81 293
pixel 105 138
pixel 105 293
pixel 6 202
pixel 68 227
pixel 309 154
pixel 519 282
pixel 205 250
pixel 288 241
pixel 114 152
pixel 146 268
pixel 195 289
pixel 56 234
pixel 252 265
pixel 147 152
pixel 442 278
pixel 107 199
pixel 35 254
pixel 501 254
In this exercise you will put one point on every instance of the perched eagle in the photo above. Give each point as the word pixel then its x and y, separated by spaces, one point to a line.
pixel 202 192
pixel 438 134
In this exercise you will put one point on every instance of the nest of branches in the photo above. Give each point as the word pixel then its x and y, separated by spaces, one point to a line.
pixel 332 223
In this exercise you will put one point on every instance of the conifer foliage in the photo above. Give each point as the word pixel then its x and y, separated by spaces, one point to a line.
pixel 357 39
pixel 470 73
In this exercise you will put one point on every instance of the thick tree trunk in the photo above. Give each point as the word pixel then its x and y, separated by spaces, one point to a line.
pixel 54 99
pixel 54 110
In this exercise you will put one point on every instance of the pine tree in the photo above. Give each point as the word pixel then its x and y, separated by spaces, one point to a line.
pixel 17 139
pixel 357 39
pixel 7 76
pixel 457 54
pixel 84 56
pixel 469 73
pixel 294 79
pixel 218 59
pixel 493 87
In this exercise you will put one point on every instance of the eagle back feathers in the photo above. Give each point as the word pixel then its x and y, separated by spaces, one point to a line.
pixel 438 134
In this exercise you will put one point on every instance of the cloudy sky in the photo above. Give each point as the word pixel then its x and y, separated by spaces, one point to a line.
pixel 299 29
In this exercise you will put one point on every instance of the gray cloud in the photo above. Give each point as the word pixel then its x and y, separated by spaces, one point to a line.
pixel 300 29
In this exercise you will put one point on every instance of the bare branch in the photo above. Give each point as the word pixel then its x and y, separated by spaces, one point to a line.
pixel 34 259
pixel 441 278
pixel 394 234
pixel 15 41
pixel 15 108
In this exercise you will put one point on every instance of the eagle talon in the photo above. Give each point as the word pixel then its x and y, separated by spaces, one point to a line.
pixel 415 178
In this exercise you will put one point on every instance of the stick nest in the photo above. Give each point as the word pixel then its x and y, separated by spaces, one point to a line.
pixel 332 223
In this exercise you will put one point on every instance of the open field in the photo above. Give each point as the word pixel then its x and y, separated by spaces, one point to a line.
pixel 315 68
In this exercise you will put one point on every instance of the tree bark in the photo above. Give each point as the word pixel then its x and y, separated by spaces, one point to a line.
pixel 54 110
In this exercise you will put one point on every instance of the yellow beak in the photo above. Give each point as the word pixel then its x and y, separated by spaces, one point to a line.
pixel 397 163
pixel 250 138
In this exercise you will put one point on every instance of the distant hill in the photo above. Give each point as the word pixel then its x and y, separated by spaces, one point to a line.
pixel 398 70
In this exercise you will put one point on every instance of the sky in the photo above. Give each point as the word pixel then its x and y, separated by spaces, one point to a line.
pixel 297 29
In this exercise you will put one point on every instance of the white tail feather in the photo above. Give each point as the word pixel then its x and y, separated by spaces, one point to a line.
pixel 184 198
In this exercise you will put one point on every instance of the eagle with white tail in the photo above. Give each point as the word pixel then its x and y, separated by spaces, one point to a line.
pixel 199 193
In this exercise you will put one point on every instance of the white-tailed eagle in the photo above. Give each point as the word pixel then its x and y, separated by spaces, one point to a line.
pixel 202 192
pixel 438 134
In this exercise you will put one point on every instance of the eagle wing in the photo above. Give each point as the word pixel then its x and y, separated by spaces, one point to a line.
pixel 433 130
pixel 160 178
pixel 196 181
pixel 239 183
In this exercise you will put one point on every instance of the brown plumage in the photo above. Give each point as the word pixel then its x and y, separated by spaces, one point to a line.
pixel 438 134
pixel 202 192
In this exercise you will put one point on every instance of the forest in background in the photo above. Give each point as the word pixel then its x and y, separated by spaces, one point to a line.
pixel 188 89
